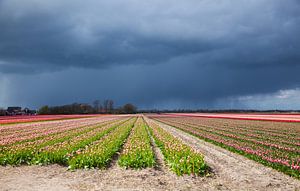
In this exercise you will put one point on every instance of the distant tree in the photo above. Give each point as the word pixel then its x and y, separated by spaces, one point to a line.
pixel 2 111
pixel 97 106
pixel 82 108
pixel 105 105
pixel 86 109
pixel 110 106
pixel 75 108
pixel 129 108
pixel 44 110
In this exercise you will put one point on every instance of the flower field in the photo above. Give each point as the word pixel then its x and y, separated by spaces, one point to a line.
pixel 34 149
pixel 129 141
pixel 27 132
pixel 100 153
pixel 278 117
pixel 35 118
pixel 96 142
pixel 137 152
pixel 274 144
pixel 179 157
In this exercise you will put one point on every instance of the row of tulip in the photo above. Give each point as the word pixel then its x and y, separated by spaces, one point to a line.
pixel 137 152
pixel 272 155
pixel 61 152
pixel 234 138
pixel 51 139
pixel 179 157
pixel 54 137
pixel 291 130
pixel 5 120
pixel 265 141
pixel 101 152
pixel 40 128
pixel 93 144
pixel 39 131
pixel 53 148
pixel 22 127
pixel 260 133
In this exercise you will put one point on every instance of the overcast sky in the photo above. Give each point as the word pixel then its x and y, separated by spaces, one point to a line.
pixel 155 54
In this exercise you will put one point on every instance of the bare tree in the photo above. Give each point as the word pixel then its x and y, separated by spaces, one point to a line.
pixel 100 108
pixel 110 106
pixel 105 105
pixel 97 104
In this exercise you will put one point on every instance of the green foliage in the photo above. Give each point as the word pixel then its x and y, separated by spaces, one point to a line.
pixel 101 152
pixel 44 110
pixel 180 158
pixel 137 152
pixel 244 147
pixel 54 148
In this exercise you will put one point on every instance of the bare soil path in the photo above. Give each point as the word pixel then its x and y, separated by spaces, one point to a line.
pixel 234 171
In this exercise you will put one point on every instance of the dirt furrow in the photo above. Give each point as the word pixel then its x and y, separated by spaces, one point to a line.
pixel 159 158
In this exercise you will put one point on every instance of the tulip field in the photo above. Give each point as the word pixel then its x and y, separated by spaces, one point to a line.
pixel 132 141
pixel 35 118
pixel 180 158
pixel 137 151
pixel 275 144
pixel 96 142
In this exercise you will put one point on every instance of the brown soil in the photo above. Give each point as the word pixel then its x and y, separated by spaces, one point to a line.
pixel 231 172
pixel 56 178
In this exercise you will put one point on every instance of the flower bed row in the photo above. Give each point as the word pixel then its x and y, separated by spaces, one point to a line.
pixel 39 131
pixel 100 153
pixel 61 152
pixel 5 120
pixel 54 148
pixel 270 155
pixel 137 151
pixel 252 139
pixel 260 133
pixel 53 138
pixel 180 158
pixel 289 129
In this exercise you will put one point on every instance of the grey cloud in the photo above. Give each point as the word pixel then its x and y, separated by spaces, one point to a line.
pixel 188 53
pixel 101 34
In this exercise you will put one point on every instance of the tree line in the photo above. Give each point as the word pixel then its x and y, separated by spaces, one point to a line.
pixel 98 107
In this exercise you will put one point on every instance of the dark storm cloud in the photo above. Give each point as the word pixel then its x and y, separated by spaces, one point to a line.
pixel 39 39
pixel 183 54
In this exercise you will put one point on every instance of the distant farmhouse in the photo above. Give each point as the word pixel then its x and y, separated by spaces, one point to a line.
pixel 11 111
pixel 14 111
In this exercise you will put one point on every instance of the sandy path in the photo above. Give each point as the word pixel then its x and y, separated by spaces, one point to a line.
pixel 55 177
pixel 234 171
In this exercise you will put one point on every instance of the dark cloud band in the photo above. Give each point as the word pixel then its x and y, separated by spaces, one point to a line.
pixel 197 50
